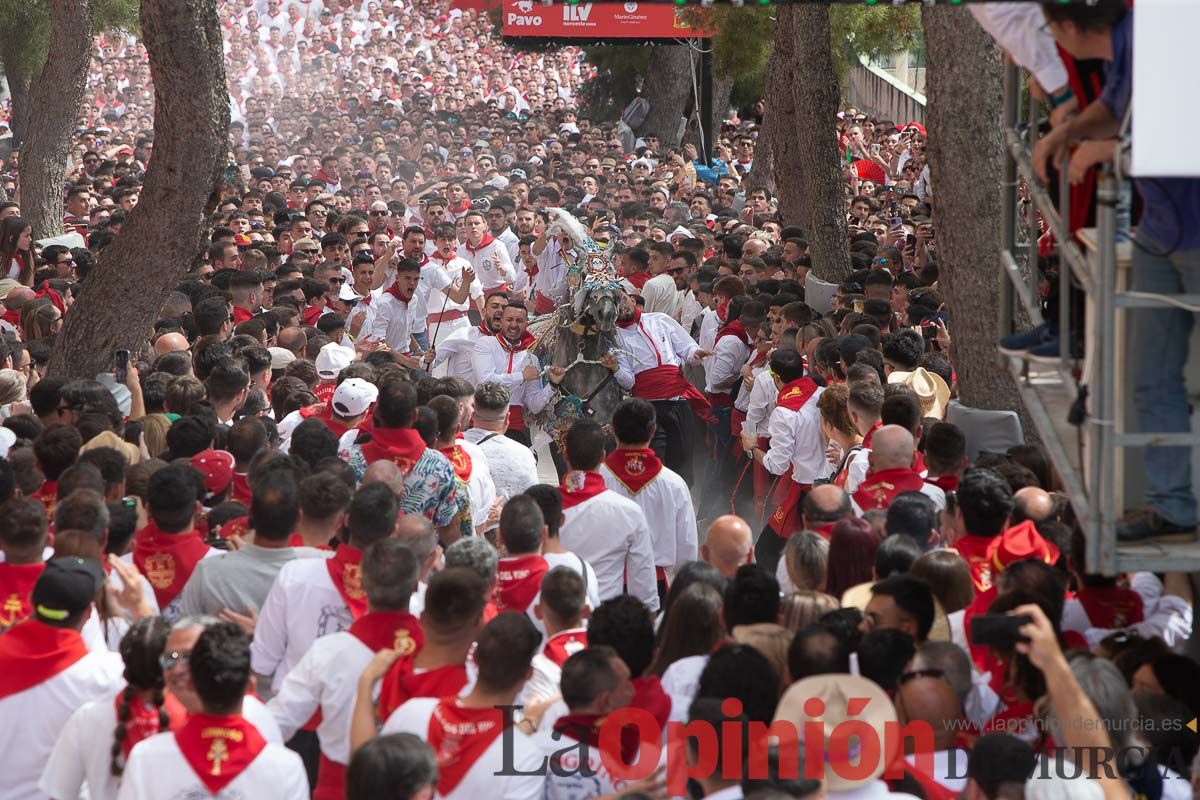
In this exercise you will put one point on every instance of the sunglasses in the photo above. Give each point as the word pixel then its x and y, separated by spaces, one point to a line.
pixel 379 213
pixel 639 228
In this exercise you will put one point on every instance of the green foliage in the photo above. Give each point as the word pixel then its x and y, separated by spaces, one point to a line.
pixel 871 31
pixel 25 31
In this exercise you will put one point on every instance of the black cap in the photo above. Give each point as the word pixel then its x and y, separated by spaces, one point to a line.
pixel 259 173
pixel 67 586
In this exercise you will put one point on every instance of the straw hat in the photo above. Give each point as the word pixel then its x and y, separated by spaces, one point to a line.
pixel 836 692
pixel 132 452
pixel 930 388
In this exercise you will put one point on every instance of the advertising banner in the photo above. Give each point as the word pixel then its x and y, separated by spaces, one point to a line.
pixel 530 18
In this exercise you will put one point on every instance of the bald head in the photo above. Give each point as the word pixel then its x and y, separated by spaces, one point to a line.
pixel 728 544
pixel 931 701
pixel 1033 502
pixel 418 533
pixel 17 297
pixel 826 502
pixel 170 343
pixel 892 447
pixel 293 339
pixel 385 472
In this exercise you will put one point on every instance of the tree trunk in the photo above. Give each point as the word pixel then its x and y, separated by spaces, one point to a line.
pixel 18 92
pixel 668 88
pixel 762 173
pixel 722 90
pixel 779 121
pixel 124 293
pixel 55 96
pixel 964 71
pixel 816 99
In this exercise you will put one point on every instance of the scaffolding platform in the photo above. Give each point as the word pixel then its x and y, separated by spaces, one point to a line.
pixel 1099 460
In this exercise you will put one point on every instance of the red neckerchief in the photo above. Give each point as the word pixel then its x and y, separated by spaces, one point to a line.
pixel 397 630
pixel 241 315
pixel 394 290
pixel 634 468
pixel 312 314
pixel 55 298
pixel 296 540
pixel 737 331
pixel 638 279
pixel 636 319
pixel 460 208
pixel 881 488
pixel 218 749
pixel 527 341
pixel 947 483
pixel 459 737
pixel 238 526
pixel 33 652
pixel 565 644
pixel 1111 606
pixel 402 446
pixel 518 580
pixel 587 727
pixel 12 318
pixel 929 785
pixel 167 559
pixel 16 584
pixel 580 486
pixel 241 492
pixel 47 495
pixel 459 459
pixel 866 442
pixel 324 412
pixel 826 530
pixel 484 330
pixel 345 570
pixel 974 549
pixel 144 721
pixel 484 242
pixel 403 682
pixel 649 695
pixel 796 393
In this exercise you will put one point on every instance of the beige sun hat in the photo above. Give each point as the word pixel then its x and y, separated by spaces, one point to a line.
pixel 930 388
pixel 837 693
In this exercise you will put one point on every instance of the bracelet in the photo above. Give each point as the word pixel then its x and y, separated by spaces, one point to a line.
pixel 1062 97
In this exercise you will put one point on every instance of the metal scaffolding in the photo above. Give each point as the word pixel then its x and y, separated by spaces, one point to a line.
pixel 1090 456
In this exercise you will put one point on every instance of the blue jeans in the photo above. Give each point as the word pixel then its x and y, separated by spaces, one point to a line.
pixel 1159 355
pixel 422 339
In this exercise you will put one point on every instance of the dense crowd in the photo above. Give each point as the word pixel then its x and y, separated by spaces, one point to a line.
pixel 312 535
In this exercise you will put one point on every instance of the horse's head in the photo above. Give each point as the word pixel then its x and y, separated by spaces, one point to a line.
pixel 596 304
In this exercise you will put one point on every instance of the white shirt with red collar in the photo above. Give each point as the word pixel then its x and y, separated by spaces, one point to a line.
pixel 478 479
pixel 367 304
pixel 159 770
pixel 547 663
pixel 655 341
pixel 34 716
pixel 466 773
pixel 664 498
pixel 729 353
pixel 795 432
pixel 610 532
pixel 495 361
pixel 548 283
pixel 457 351
pixel 302 606
pixel 439 313
pixel 392 322
pixel 491 262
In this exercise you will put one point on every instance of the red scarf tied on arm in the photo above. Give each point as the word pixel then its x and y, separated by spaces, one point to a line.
pixel 218 749
pixel 518 580
pixel 459 736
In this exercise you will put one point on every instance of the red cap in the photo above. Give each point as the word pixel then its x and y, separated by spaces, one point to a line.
pixel 217 468
pixel 1019 543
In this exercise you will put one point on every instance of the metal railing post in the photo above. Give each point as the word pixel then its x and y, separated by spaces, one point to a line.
pixel 1101 555
pixel 1012 102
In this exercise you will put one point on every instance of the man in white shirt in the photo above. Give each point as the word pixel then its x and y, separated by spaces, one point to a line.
pixel 561 608
pixel 217 752
pixel 46 670
pixel 469 465
pixel 796 444
pixel 633 470
pixel 609 531
pixel 734 345
pixel 458 349
pixel 487 255
pixel 519 572
pixel 327 676
pixel 653 348
pixel 478 755
pixel 507 359
pixel 550 500
pixel 446 289
pixel 392 323
pixel 314 597
pixel 497 219
pixel 548 280
pixel 512 464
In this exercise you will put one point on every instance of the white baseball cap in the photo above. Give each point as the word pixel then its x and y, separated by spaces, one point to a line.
pixel 353 397
pixel 332 359
pixel 8 438
pixel 280 357
pixel 379 205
